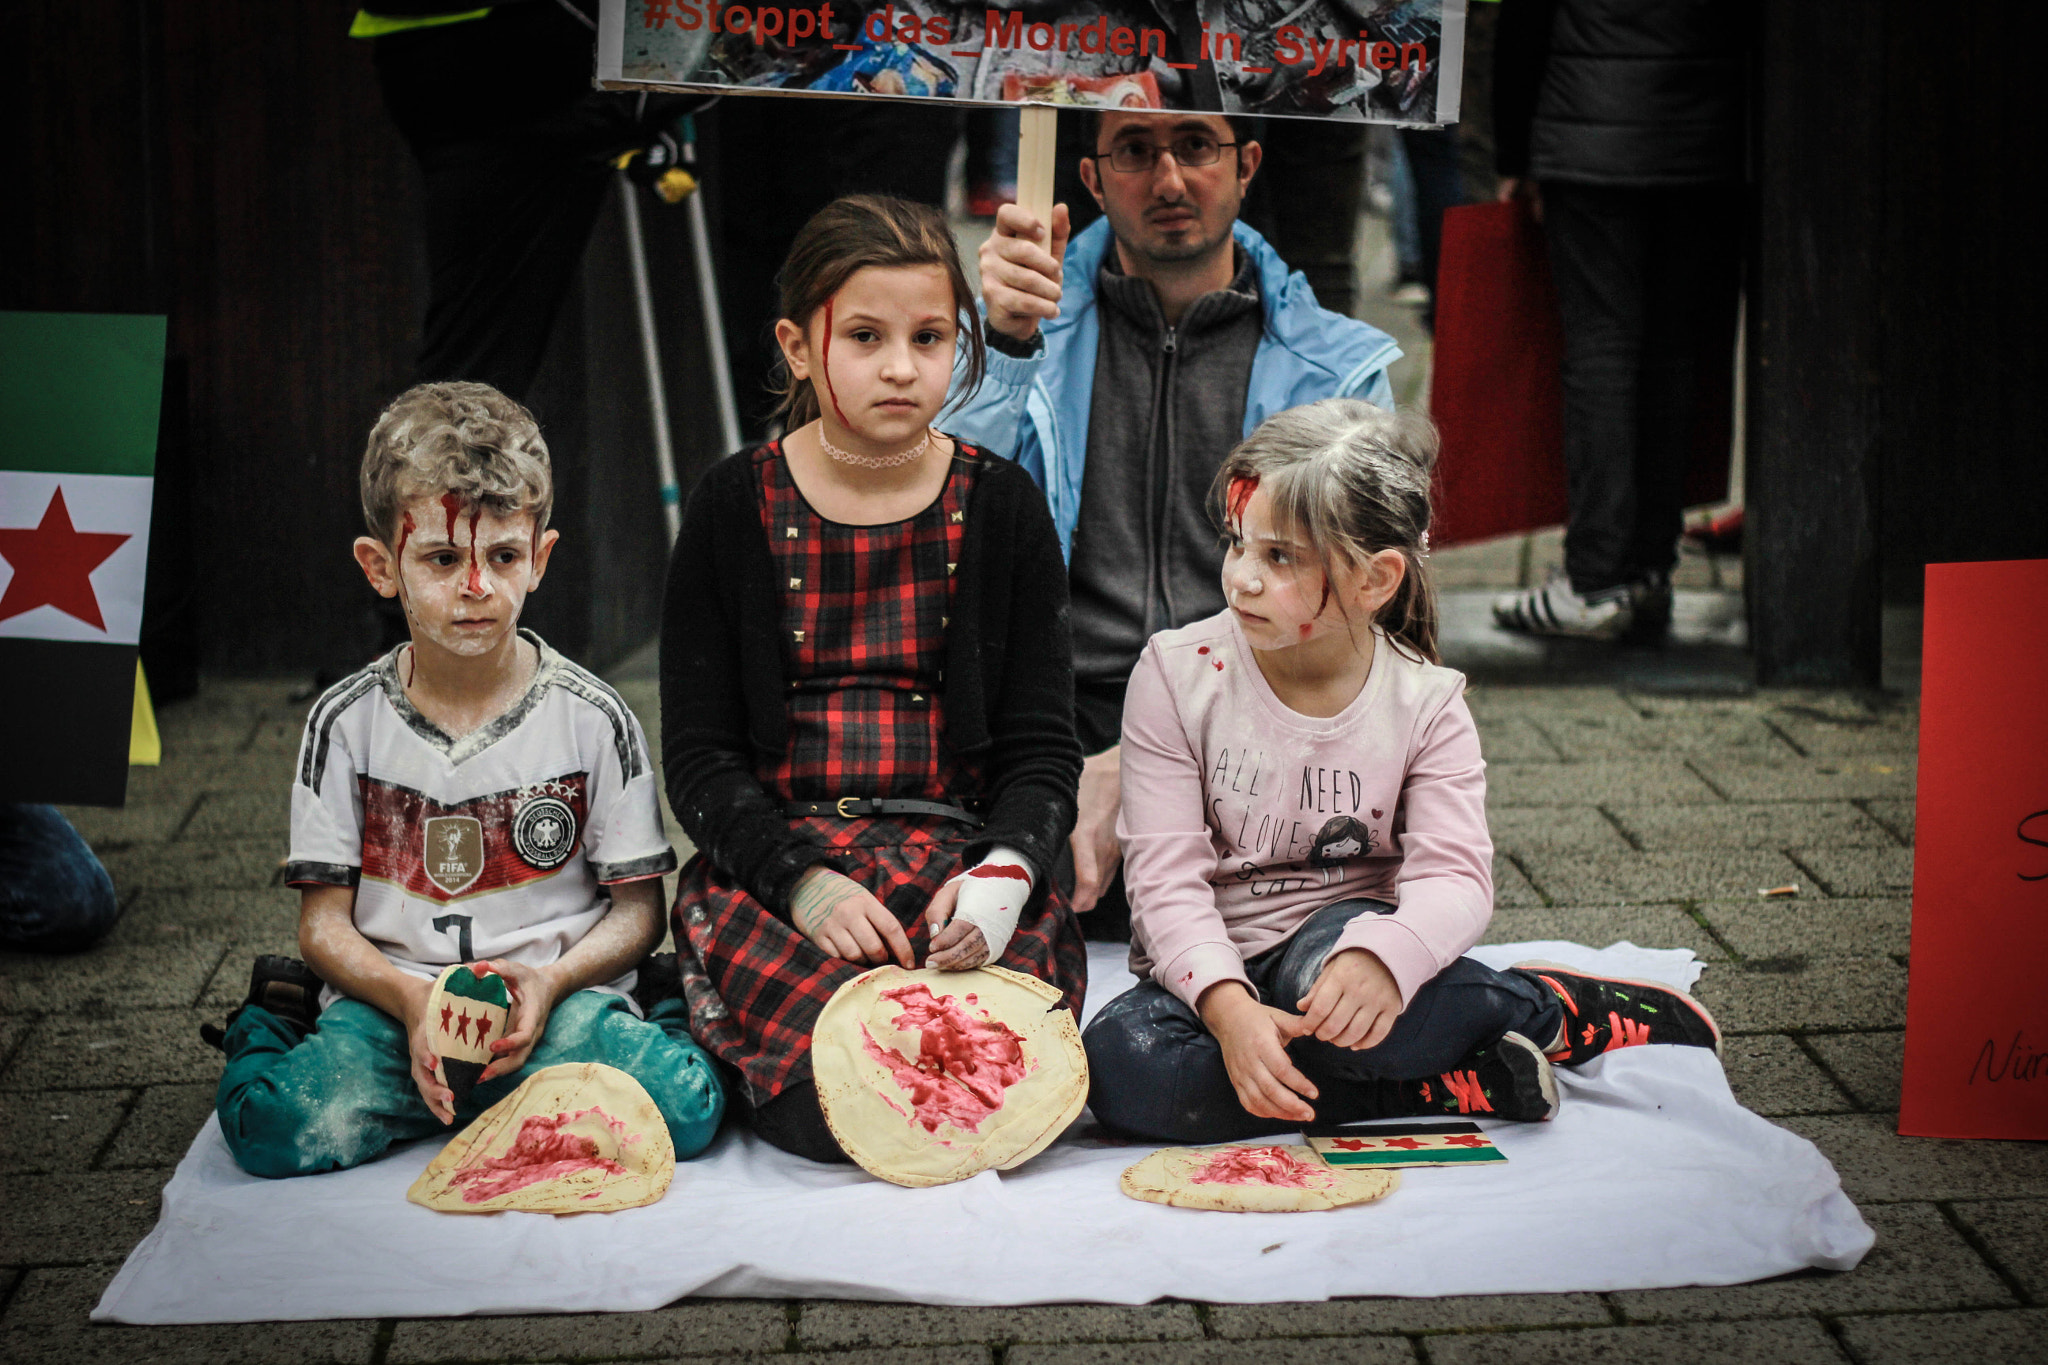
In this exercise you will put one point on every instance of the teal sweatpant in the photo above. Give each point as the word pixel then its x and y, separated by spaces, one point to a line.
pixel 345 1094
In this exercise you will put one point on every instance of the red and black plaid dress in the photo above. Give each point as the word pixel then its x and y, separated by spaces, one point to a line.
pixel 865 612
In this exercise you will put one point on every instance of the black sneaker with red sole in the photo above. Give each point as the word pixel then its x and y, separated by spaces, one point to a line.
pixel 1509 1079
pixel 1604 1013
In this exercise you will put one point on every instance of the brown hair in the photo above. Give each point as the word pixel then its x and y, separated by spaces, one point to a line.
pixel 1351 479
pixel 849 235
pixel 457 437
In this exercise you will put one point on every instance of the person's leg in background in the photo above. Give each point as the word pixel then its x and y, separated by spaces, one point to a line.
pixel 55 897
pixel 1434 161
pixel 1313 176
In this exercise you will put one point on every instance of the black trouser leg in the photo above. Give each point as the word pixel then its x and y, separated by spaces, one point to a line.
pixel 795 1122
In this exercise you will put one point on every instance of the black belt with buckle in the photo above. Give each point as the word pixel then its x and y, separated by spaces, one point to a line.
pixel 853 807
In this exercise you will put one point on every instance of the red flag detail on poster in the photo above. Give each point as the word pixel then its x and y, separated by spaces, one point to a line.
pixel 1976 1010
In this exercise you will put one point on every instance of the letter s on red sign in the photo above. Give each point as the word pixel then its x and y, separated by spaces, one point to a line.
pixel 1287 48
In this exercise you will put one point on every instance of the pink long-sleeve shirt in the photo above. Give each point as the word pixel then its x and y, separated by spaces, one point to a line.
pixel 1241 817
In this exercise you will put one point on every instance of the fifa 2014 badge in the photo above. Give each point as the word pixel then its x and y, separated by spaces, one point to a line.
pixel 454 853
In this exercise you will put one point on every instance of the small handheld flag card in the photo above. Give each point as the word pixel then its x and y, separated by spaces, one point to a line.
pixel 1451 1143
pixel 468 1012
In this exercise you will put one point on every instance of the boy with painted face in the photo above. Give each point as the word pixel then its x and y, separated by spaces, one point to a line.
pixel 471 797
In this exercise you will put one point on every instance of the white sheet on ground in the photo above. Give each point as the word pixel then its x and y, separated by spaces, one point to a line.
pixel 1651 1176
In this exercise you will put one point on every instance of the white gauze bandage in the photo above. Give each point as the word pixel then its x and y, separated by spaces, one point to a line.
pixel 992 895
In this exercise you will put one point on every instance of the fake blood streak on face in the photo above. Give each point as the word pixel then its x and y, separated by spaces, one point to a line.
pixel 1241 489
pixel 1258 1166
pixel 540 1152
pixel 964 1065
pixel 475 586
pixel 825 367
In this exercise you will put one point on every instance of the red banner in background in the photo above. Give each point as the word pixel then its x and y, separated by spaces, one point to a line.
pixel 1977 992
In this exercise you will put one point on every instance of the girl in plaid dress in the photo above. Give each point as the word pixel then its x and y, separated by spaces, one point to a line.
pixel 867 716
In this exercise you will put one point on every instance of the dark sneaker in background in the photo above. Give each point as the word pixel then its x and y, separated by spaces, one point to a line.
pixel 286 987
pixel 1603 1013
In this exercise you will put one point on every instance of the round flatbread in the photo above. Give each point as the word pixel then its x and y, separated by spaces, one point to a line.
pixel 579 1138
pixel 927 1077
pixel 1240 1178
pixel 467 1012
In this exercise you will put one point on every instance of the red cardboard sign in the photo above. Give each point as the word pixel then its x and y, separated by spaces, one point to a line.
pixel 1976 1000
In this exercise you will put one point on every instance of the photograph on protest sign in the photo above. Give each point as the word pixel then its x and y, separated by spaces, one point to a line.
pixel 1380 61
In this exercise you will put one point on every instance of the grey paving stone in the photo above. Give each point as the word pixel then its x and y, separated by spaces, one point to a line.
pixel 692 1327
pixel 1875 1163
pixel 1510 887
pixel 1771 1075
pixel 58 1131
pixel 837 1324
pixel 161 1126
pixel 1492 701
pixel 1837 730
pixel 225 864
pixel 108 827
pixel 1654 779
pixel 1797 1341
pixel 1806 924
pixel 162 976
pixel 1588 736
pixel 144 1047
pixel 1530 829
pixel 1896 815
pixel 2016 1231
pixel 81 1217
pixel 242 814
pixel 1799 993
pixel 1919 1262
pixel 1495 563
pixel 1515 739
pixel 178 781
pixel 189 730
pixel 1630 878
pixel 12 1031
pixel 1360 1317
pixel 1324 1351
pixel 1861 871
pixel 1870 1064
pixel 1646 926
pixel 1948 1338
pixel 229 985
pixel 1754 824
pixel 908 1355
pixel 1749 777
pixel 46 1321
pixel 160 916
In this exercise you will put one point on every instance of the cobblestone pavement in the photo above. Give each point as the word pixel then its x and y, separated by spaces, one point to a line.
pixel 1618 814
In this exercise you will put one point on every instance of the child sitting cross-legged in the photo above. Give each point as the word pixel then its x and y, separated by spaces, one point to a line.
pixel 1304 832
pixel 470 797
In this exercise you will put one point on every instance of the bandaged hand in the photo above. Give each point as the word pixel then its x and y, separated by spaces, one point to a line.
pixel 975 913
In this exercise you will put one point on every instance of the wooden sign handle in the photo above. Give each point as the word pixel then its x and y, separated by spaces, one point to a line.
pixel 1037 145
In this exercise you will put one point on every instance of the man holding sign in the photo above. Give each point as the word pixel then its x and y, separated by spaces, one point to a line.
pixel 1122 368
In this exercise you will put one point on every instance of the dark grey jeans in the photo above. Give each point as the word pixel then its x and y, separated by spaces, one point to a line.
pixel 1155 1071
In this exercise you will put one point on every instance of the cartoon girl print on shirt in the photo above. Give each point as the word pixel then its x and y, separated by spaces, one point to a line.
pixel 1341 838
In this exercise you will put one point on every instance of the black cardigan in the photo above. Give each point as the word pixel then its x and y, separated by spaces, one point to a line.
pixel 1008 686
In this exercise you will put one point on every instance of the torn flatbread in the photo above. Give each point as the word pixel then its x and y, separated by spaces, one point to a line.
pixel 1241 1178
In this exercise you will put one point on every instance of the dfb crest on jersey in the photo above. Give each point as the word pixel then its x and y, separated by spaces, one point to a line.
pixel 544 832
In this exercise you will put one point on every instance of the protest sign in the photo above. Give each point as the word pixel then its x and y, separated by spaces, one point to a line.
pixel 1976 1012
pixel 1358 60
pixel 79 399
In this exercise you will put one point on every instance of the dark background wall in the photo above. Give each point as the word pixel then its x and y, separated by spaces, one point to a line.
pixel 231 165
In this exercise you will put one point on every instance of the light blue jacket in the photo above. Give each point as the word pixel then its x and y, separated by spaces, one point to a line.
pixel 1035 410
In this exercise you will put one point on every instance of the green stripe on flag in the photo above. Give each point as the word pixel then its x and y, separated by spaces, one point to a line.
pixel 80 392
pixel 1430 1155
pixel 489 989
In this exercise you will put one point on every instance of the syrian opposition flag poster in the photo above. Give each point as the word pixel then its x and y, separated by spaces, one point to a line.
pixel 79 402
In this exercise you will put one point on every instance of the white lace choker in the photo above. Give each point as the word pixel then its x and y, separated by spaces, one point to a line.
pixel 901 457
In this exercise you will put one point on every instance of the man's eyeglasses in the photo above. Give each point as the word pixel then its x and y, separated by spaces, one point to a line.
pixel 1191 149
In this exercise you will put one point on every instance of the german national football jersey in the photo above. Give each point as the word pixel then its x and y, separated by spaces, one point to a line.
pixel 497 844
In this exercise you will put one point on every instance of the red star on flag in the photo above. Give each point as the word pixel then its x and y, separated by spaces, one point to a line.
pixel 53 565
pixel 483 1028
pixel 1405 1144
pixel 462 1026
pixel 1348 1144
pixel 1465 1140
pixel 447 1013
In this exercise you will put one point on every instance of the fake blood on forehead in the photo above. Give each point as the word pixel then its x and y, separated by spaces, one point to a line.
pixel 476 560
pixel 964 1065
pixel 1241 489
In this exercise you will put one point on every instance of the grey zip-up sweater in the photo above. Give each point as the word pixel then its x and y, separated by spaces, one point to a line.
pixel 1168 406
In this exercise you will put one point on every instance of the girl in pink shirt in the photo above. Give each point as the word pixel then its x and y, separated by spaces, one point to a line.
pixel 1304 832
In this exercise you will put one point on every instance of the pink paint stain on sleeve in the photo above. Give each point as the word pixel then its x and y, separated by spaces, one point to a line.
pixel 540 1152
pixel 1007 870
pixel 964 1065
pixel 1274 1166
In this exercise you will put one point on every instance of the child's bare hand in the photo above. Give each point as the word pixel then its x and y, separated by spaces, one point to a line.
pixel 1254 1039
pixel 1354 1002
pixel 837 913
pixel 534 995
pixel 957 944
pixel 440 1100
